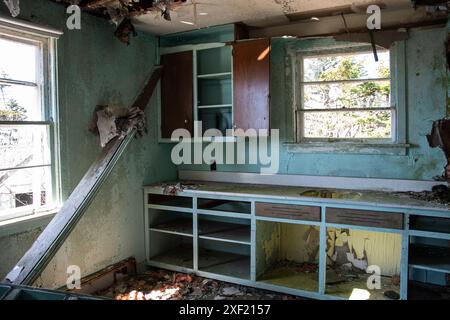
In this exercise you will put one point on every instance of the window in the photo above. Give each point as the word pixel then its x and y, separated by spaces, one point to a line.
pixel 28 154
pixel 345 96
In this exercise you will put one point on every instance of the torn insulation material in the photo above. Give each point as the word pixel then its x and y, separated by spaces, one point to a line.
pixel 13 6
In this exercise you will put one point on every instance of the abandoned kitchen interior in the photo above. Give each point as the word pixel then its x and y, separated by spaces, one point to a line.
pixel 224 150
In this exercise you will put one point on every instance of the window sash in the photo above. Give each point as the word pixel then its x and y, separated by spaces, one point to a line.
pixel 46 85
pixel 300 111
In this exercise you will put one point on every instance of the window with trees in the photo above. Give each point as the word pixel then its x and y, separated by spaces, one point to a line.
pixel 27 139
pixel 345 96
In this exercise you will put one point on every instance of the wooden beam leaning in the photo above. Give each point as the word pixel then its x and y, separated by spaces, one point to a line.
pixel 50 240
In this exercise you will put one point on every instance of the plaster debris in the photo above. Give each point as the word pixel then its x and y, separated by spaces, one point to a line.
pixel 13 6
pixel 109 122
pixel 166 285
pixel 231 291
pixel 173 189
pixel 124 31
pixel 439 194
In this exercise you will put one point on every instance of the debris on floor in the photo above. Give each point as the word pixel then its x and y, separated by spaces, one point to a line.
pixel 439 194
pixel 165 285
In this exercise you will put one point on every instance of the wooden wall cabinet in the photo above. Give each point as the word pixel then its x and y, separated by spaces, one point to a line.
pixel 176 93
pixel 251 69
pixel 224 86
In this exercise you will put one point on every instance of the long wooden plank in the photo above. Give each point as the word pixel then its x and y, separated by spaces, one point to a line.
pixel 45 247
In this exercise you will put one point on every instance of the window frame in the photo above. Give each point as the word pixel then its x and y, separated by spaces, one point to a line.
pixel 396 145
pixel 46 82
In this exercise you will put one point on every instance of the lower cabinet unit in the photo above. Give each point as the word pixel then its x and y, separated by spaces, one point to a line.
pixel 313 249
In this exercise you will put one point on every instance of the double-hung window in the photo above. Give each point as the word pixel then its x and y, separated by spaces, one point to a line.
pixel 28 152
pixel 345 95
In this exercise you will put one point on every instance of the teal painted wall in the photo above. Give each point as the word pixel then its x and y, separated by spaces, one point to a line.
pixel 95 68
pixel 426 88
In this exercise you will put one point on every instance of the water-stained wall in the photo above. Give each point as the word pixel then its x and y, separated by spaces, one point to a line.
pixel 95 68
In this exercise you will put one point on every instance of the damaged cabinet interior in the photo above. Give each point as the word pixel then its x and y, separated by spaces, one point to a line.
pixel 310 248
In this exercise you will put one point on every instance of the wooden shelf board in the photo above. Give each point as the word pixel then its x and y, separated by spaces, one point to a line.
pixel 181 256
pixel 180 226
pixel 223 263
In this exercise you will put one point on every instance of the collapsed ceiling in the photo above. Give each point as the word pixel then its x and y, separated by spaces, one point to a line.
pixel 162 17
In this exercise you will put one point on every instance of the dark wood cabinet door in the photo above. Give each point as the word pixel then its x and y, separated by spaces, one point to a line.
pixel 251 77
pixel 176 93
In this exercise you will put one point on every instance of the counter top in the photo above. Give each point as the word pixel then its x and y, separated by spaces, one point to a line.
pixel 336 196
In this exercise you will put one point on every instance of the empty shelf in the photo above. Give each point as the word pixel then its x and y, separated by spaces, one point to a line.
pixel 223 263
pixel 228 232
pixel 181 226
pixel 430 258
pixel 181 256
pixel 220 76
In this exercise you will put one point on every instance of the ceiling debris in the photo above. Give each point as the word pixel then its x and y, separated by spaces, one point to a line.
pixel 125 30
pixel 110 122
pixel 13 6
pixel 119 12
pixel 432 6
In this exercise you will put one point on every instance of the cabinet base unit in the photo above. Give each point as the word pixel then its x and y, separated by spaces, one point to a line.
pixel 226 259
pixel 363 265
pixel 287 255
pixel 173 250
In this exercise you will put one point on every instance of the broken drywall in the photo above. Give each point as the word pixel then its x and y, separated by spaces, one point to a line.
pixel 13 6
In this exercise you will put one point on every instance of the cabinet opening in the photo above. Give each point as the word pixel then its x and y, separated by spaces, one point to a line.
pixel 287 255
pixel 227 259
pixel 214 61
pixel 429 269
pixel 170 222
pixel 430 224
pixel 363 265
pixel 172 201
pixel 224 229
pixel 172 250
pixel 225 206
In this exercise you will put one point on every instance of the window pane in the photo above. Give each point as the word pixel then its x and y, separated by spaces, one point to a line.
pixel 373 94
pixel 348 125
pixel 19 103
pixel 26 188
pixel 346 67
pixel 22 146
pixel 18 60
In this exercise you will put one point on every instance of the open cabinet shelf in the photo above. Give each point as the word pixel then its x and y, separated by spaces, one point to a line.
pixel 224 263
pixel 181 226
pixel 224 231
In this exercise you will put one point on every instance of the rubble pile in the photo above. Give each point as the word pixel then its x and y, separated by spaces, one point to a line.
pixel 166 285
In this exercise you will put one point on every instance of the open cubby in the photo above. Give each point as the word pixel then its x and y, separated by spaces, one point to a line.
pixel 214 92
pixel 227 259
pixel 171 201
pixel 171 249
pixel 224 206
pixel 430 224
pixel 170 222
pixel 351 252
pixel 287 255
pixel 3 290
pixel 214 61
pixel 429 268
pixel 224 229
pixel 216 118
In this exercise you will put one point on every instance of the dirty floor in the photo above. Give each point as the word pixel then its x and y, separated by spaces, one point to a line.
pixel 158 284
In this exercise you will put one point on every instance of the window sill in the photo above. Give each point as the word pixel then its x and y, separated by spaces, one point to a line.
pixel 26 223
pixel 349 148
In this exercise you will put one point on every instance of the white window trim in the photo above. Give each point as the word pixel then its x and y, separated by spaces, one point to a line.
pixel 395 146
pixel 48 38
